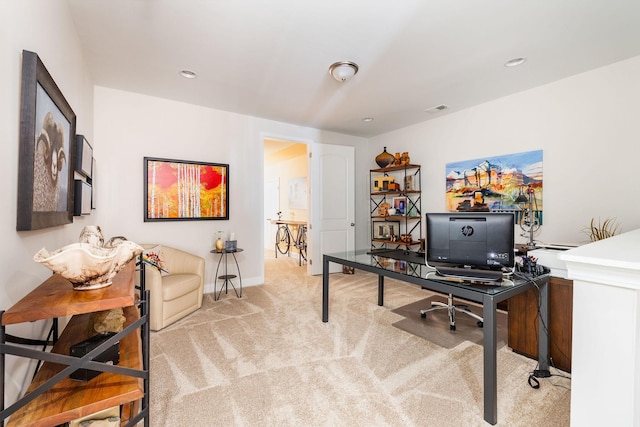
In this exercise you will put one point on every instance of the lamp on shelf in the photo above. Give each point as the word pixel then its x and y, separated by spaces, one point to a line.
pixel 521 199
pixel 528 221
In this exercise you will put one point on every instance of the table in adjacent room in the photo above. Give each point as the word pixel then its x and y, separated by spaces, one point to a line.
pixel 226 278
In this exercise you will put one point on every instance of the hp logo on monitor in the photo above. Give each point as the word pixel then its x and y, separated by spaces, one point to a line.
pixel 467 230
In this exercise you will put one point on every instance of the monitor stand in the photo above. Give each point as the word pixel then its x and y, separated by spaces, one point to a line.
pixel 475 274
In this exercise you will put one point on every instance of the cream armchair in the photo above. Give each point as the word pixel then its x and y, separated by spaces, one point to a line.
pixel 177 291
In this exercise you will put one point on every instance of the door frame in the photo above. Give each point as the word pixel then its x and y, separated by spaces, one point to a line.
pixel 312 188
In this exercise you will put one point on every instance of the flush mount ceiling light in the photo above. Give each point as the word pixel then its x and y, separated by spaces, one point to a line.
pixel 188 74
pixel 515 62
pixel 343 70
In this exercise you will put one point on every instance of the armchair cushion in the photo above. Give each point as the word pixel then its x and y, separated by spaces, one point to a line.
pixel 177 293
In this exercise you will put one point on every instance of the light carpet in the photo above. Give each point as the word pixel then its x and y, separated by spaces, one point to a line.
pixel 267 359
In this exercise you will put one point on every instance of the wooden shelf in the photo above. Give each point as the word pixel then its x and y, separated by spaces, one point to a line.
pixel 397 193
pixel 69 399
pixel 407 224
pixel 395 217
pixel 395 168
pixel 55 297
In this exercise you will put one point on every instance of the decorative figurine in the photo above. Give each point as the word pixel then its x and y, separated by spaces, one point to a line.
pixel 405 159
pixel 383 209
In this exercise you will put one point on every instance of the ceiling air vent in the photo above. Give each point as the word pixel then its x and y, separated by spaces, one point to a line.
pixel 436 109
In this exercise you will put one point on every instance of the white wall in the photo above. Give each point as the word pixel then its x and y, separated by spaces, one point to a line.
pixel 587 126
pixel 44 27
pixel 130 126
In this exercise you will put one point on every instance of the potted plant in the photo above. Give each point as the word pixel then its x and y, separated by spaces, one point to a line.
pixel 602 229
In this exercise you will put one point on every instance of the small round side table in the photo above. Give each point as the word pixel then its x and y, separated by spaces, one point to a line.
pixel 226 277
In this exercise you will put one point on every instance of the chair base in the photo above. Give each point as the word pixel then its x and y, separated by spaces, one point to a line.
pixel 452 308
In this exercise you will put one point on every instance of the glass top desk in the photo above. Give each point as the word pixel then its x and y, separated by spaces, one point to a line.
pixel 411 268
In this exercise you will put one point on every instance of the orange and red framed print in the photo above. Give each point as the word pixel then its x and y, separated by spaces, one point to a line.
pixel 180 190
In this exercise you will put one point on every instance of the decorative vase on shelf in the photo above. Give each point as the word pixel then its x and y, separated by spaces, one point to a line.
pixel 219 242
pixel 384 159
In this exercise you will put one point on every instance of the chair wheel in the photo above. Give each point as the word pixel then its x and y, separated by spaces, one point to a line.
pixel 423 315
pixel 480 324
pixel 452 327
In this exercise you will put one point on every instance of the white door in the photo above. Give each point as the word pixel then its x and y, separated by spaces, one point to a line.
pixel 332 203
pixel 271 208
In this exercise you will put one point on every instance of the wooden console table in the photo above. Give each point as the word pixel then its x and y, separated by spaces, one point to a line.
pixel 53 398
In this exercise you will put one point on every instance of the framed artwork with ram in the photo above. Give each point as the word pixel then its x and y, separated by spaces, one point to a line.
pixel 46 157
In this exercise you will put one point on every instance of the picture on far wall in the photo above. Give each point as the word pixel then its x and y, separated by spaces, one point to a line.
pixel 298 193
pixel 494 184
pixel 180 190
pixel 45 167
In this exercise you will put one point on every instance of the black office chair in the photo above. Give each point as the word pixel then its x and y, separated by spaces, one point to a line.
pixel 452 308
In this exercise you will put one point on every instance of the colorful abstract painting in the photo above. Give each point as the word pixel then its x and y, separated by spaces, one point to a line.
pixel 185 190
pixel 496 184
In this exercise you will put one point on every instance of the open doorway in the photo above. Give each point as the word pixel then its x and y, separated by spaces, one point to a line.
pixel 285 201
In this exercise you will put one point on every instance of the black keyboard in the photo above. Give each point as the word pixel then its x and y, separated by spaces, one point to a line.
pixel 471 274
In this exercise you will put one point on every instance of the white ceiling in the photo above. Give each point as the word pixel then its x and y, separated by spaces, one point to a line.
pixel 270 58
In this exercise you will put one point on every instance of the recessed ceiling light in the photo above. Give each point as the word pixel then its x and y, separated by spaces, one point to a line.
pixel 367 119
pixel 437 108
pixel 515 62
pixel 188 74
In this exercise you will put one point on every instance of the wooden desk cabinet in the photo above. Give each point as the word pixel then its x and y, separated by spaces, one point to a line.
pixel 66 399
pixel 523 323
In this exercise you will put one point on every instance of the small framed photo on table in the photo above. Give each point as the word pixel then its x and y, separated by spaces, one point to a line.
pixel 400 204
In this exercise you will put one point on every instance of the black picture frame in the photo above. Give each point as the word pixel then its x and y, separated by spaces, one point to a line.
pixel 385 230
pixel 93 182
pixel 46 157
pixel 183 190
pixel 84 156
pixel 82 198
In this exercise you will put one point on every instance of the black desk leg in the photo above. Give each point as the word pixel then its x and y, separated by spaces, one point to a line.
pixel 490 330
pixel 325 289
pixel 380 290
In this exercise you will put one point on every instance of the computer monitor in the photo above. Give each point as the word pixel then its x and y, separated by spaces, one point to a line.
pixel 474 244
